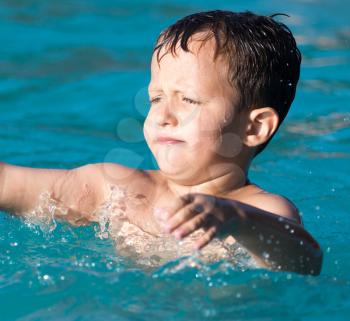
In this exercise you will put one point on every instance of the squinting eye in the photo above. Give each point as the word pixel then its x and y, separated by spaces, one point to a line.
pixel 154 100
pixel 190 101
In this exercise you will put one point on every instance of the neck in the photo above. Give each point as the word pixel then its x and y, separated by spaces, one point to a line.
pixel 217 184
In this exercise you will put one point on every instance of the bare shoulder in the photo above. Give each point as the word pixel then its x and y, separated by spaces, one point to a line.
pixel 275 204
pixel 107 174
pixel 86 187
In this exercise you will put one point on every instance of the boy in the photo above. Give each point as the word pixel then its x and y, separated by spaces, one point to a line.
pixel 221 85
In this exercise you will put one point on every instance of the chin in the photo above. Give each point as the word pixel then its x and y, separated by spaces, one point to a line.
pixel 171 160
pixel 170 170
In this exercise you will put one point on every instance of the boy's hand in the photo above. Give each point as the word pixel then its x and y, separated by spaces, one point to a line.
pixel 194 211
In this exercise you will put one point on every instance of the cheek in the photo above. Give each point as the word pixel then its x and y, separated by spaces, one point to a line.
pixel 145 134
pixel 213 135
pixel 230 145
pixel 208 129
pixel 147 130
pixel 204 139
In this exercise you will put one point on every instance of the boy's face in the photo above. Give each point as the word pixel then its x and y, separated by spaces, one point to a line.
pixel 192 102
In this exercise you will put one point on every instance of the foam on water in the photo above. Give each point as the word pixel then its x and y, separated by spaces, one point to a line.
pixel 131 242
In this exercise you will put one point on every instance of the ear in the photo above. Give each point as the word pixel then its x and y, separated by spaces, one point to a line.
pixel 262 123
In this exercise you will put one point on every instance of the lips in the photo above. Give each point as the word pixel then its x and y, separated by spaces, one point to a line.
pixel 168 140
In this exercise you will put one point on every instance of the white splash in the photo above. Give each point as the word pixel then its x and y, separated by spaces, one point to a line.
pixel 44 214
pixel 131 242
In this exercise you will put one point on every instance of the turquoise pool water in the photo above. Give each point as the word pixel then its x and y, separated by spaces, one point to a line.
pixel 72 91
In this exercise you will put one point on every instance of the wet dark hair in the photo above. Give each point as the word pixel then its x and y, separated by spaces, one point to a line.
pixel 262 55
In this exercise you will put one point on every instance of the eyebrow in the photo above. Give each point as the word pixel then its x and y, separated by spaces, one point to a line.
pixel 176 90
pixel 153 89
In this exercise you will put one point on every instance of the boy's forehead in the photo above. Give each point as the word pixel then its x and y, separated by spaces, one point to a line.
pixel 201 55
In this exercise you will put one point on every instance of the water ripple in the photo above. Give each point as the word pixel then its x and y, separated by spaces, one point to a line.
pixel 320 125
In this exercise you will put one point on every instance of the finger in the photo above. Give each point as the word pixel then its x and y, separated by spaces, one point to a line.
pixel 189 197
pixel 206 238
pixel 190 226
pixel 182 216
pixel 210 221
pixel 165 212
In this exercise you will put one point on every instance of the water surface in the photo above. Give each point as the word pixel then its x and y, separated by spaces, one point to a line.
pixel 72 91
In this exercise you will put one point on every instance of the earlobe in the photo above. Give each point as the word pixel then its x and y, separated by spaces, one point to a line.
pixel 262 124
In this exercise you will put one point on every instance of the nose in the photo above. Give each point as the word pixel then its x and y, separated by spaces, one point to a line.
pixel 165 116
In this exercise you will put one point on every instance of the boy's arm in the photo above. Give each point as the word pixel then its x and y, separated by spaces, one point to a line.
pixel 276 240
pixel 78 190
pixel 20 187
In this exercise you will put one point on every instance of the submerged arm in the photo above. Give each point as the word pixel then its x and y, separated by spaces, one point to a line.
pixel 278 242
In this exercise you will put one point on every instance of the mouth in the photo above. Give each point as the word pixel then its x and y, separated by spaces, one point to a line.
pixel 164 140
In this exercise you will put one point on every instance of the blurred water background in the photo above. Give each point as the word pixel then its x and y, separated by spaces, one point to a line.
pixel 73 77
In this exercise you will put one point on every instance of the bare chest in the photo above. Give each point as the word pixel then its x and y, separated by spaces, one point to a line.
pixel 129 220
